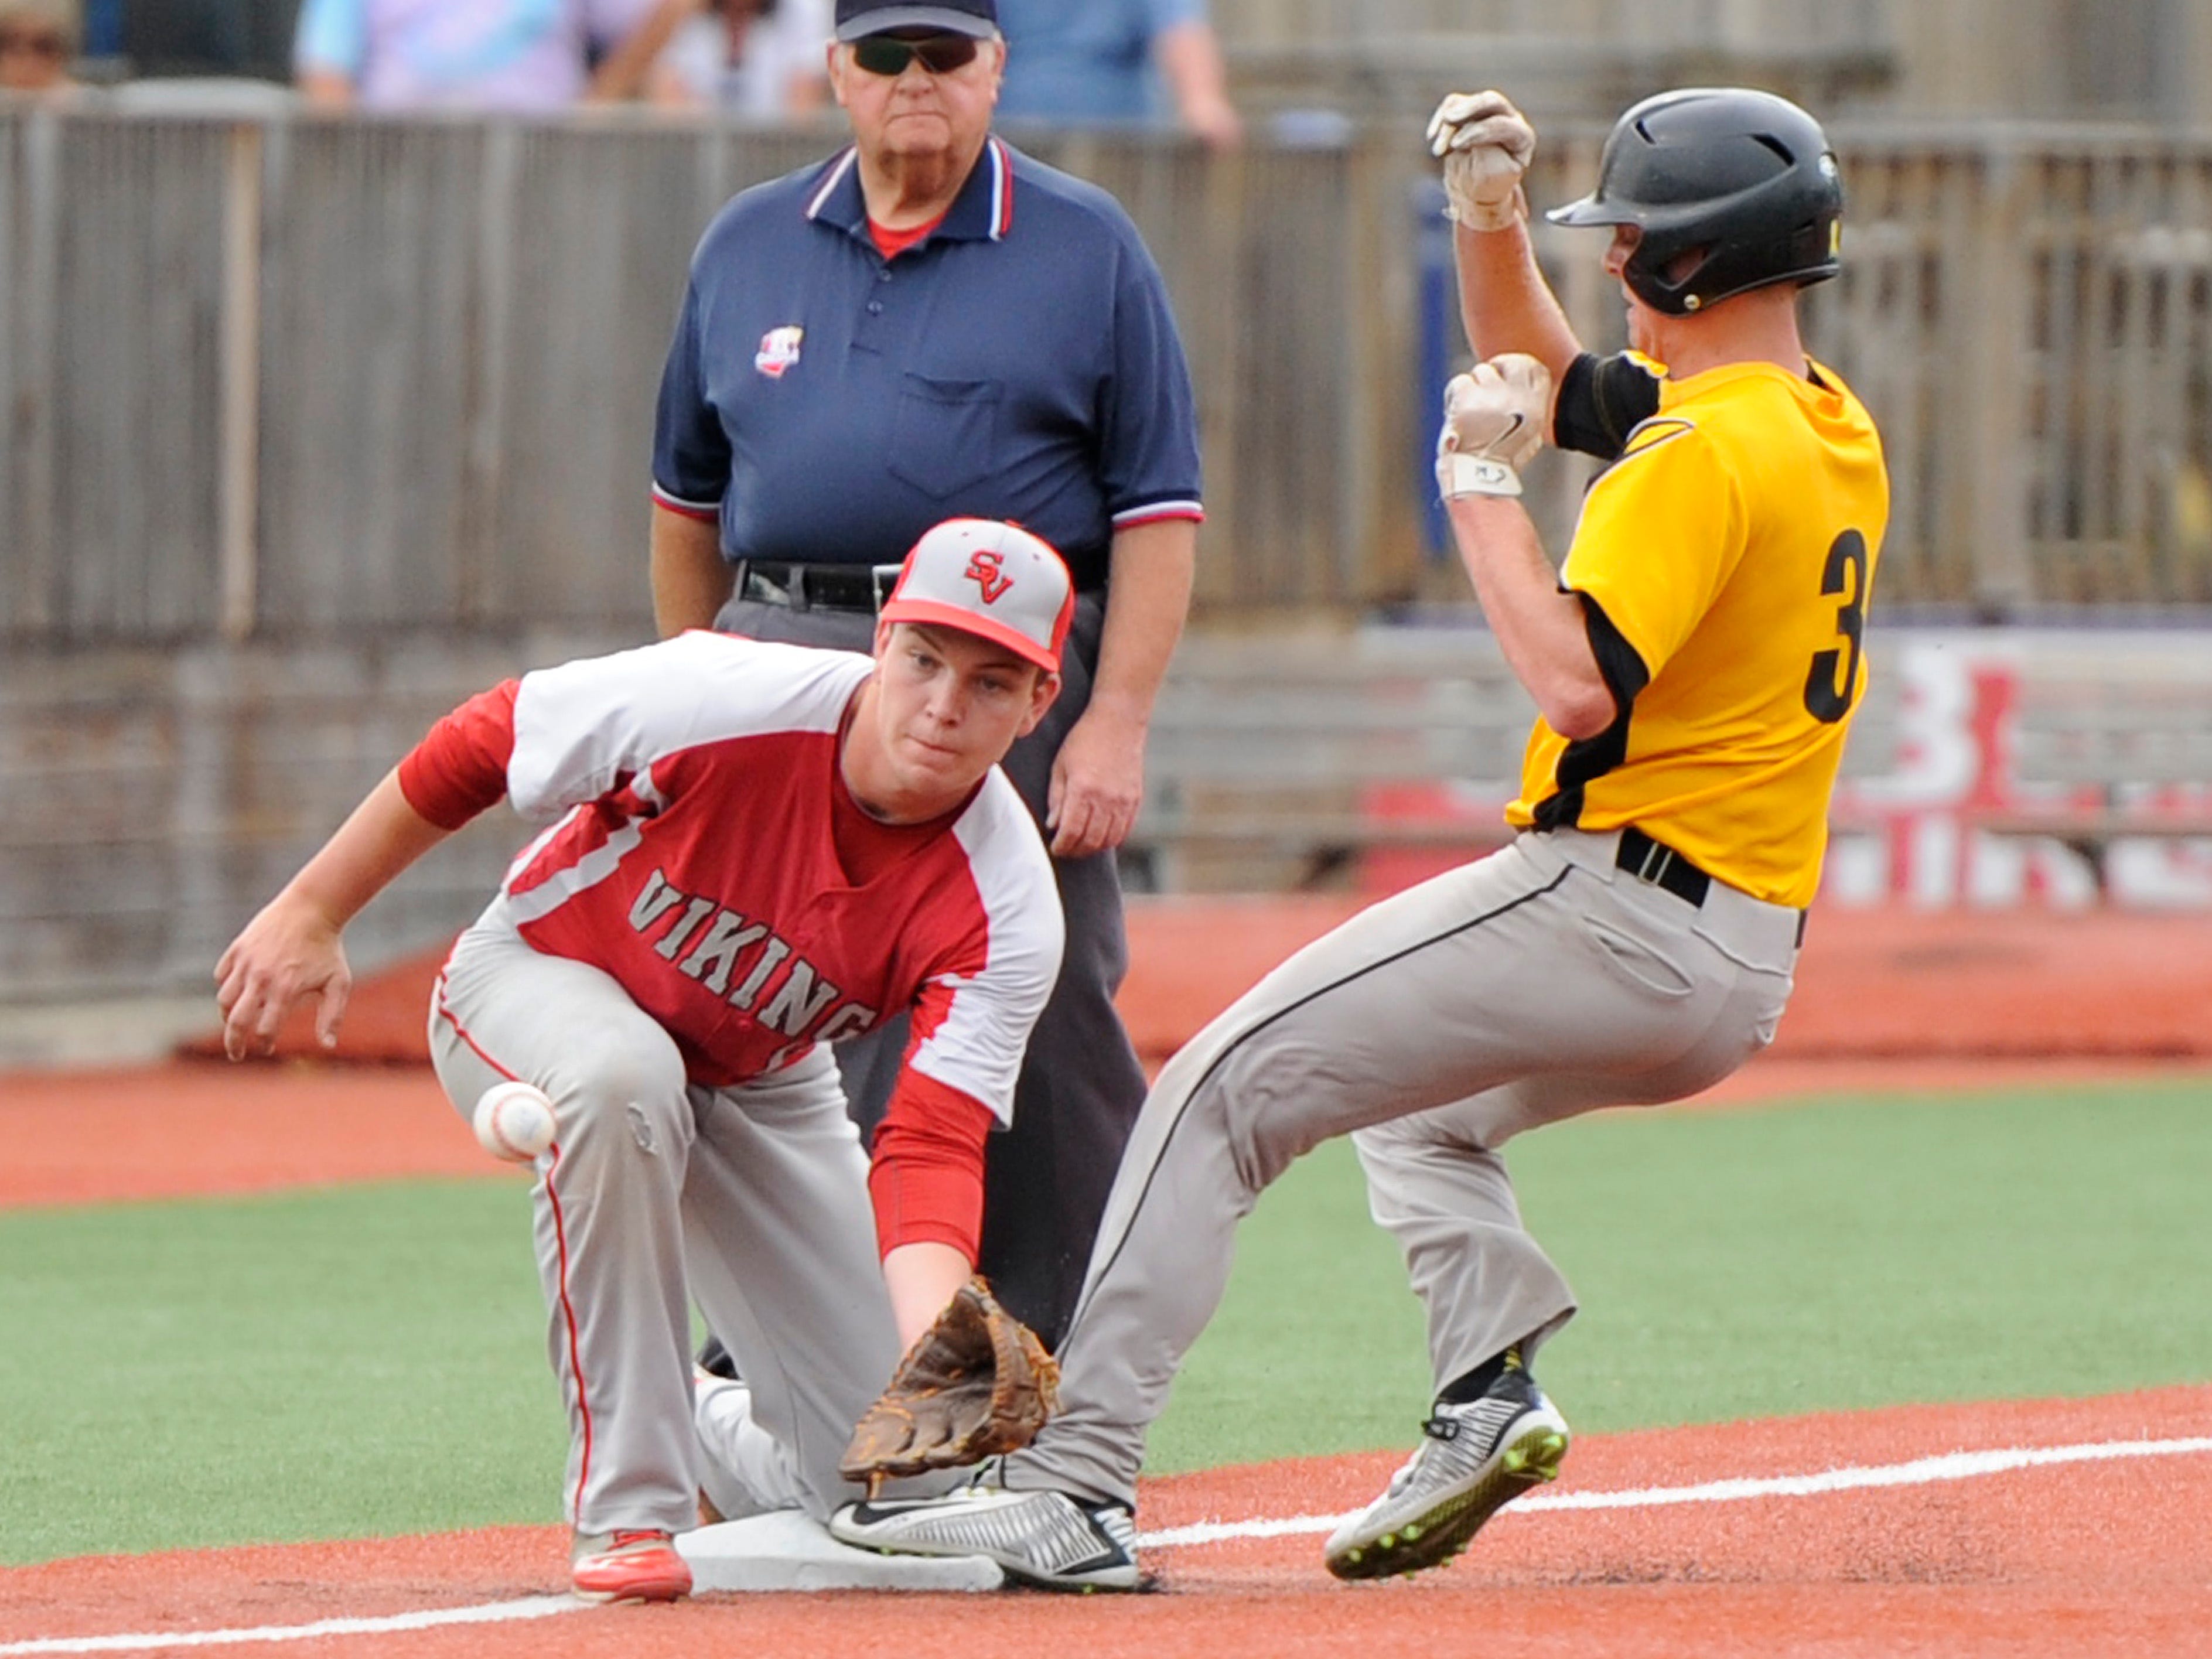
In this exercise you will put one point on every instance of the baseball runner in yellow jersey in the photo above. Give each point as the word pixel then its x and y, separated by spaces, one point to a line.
pixel 1695 661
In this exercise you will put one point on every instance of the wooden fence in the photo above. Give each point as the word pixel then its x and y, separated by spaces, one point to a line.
pixel 287 375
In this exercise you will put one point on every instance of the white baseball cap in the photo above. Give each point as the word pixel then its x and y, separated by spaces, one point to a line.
pixel 992 579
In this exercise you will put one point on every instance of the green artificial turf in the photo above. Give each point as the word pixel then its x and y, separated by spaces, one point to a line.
pixel 345 1362
pixel 370 1360
pixel 1837 1254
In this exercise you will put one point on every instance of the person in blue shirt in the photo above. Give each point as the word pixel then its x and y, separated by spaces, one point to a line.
pixel 1116 63
pixel 931 323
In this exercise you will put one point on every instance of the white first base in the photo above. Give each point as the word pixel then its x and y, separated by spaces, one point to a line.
pixel 786 1551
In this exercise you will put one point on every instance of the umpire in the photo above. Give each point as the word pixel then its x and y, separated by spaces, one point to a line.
pixel 931 323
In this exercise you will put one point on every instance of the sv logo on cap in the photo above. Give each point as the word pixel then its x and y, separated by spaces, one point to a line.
pixel 984 570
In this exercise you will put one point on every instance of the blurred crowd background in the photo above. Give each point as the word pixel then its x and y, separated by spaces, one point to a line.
pixel 1287 61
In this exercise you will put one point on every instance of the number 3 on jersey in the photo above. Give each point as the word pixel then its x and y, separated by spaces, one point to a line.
pixel 1827 698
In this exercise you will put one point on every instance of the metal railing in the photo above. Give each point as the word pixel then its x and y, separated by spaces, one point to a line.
pixel 293 376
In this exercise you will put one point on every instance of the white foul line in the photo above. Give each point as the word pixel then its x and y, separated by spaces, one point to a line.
pixel 490 1612
pixel 1922 1471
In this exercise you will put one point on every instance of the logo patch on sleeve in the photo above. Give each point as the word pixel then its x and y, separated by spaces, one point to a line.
pixel 779 350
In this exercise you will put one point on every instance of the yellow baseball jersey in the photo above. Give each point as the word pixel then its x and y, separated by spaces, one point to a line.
pixel 1725 561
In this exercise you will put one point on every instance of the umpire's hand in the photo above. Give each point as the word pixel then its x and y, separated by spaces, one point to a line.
pixel 1098 784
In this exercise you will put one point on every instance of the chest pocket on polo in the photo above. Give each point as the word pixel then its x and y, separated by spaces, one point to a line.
pixel 945 433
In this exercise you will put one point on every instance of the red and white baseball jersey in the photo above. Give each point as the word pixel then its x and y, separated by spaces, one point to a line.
pixel 705 852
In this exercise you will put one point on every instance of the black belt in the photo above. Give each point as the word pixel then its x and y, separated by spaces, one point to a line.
pixel 1662 865
pixel 861 587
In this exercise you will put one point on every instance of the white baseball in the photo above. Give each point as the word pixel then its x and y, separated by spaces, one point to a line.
pixel 514 1121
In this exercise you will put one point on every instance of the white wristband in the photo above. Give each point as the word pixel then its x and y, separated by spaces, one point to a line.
pixel 1475 474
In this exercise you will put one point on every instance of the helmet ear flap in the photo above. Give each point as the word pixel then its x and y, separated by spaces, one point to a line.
pixel 1668 277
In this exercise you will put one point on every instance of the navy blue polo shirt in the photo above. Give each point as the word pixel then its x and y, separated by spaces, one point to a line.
pixel 823 404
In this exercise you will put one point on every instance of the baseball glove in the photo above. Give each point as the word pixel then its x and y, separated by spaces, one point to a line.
pixel 975 1383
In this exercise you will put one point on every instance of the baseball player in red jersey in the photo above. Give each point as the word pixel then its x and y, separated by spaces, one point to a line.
pixel 1695 662
pixel 749 851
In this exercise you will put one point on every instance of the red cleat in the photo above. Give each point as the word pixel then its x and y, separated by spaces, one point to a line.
pixel 629 1566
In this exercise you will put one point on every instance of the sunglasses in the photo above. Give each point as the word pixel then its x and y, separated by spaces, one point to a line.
pixel 37 44
pixel 940 54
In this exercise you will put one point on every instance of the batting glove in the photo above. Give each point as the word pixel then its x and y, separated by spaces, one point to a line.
pixel 1493 425
pixel 1485 144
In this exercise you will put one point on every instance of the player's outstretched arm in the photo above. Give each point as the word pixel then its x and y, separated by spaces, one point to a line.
pixel 926 1180
pixel 291 950
pixel 1485 146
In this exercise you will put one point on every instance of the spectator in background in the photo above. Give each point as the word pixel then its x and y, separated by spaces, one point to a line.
pixel 522 55
pixel 763 59
pixel 38 44
pixel 1110 62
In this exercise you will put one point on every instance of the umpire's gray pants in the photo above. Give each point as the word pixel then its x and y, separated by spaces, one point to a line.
pixel 1534 985
pixel 753 1199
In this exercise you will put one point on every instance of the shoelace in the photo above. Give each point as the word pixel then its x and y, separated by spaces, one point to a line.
pixel 1435 1431
pixel 989 1475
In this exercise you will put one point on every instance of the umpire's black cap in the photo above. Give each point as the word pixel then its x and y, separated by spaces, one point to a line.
pixel 978 19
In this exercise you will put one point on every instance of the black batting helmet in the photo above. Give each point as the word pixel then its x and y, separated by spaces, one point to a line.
pixel 1743 177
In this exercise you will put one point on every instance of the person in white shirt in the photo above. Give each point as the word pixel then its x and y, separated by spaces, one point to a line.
pixel 765 60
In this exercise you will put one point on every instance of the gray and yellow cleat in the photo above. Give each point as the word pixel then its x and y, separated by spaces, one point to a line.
pixel 1047 1539
pixel 1473 1459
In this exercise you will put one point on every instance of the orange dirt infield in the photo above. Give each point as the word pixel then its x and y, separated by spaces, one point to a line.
pixel 2099 1556
pixel 1871 982
pixel 205 1127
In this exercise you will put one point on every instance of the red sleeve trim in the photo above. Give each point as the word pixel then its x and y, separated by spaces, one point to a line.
pixel 927 1174
pixel 1188 511
pixel 459 767
pixel 704 514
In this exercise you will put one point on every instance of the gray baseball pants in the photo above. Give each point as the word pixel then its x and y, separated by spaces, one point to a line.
pixel 1529 987
pixel 1047 1176
pixel 752 1199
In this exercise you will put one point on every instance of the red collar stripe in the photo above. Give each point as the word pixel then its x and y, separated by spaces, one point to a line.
pixel 1002 191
